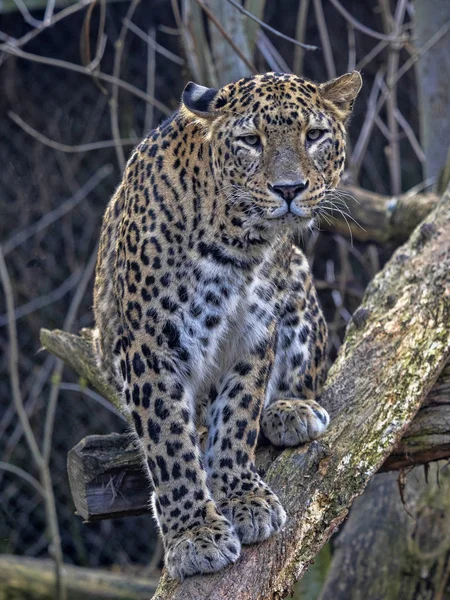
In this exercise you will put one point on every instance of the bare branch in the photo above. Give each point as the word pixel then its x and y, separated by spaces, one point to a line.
pixel 28 18
pixel 300 30
pixel 57 372
pixel 46 300
pixel 24 577
pixel 325 39
pixel 75 387
pixel 363 139
pixel 351 63
pixel 393 154
pixel 49 11
pixel 273 58
pixel 62 14
pixel 14 363
pixel 63 64
pixel 101 145
pixel 22 236
pixel 269 28
pixel 23 475
pixel 114 100
pixel 52 520
pixel 359 26
pixel 415 144
pixel 151 79
pixel 434 39
pixel 148 39
pixel 371 55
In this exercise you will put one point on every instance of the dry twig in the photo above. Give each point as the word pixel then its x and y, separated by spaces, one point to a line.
pixel 248 14
pixel 114 100
pixel 70 149
pixel 38 456
pixel 63 64
pixel 325 39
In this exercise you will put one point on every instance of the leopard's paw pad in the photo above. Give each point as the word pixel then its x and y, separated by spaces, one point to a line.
pixel 202 549
pixel 255 516
pixel 293 422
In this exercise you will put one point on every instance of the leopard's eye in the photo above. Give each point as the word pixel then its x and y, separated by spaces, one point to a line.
pixel 251 140
pixel 314 134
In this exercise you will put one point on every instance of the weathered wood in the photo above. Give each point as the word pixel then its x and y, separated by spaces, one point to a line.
pixel 107 480
pixel 77 351
pixel 34 579
pixel 396 345
pixel 394 549
pixel 427 438
pixel 379 218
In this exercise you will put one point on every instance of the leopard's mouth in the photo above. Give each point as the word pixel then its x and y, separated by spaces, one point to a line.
pixel 291 211
pixel 289 221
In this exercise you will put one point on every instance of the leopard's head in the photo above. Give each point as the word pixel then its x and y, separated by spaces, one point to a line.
pixel 277 143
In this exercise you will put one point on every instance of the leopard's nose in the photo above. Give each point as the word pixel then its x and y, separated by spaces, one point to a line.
pixel 288 191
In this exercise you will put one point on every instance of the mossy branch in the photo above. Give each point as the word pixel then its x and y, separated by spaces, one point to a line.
pixel 395 347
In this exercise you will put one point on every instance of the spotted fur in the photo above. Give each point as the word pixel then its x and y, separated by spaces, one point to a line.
pixel 206 312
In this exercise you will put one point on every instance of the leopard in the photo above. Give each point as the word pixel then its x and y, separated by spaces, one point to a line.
pixel 205 308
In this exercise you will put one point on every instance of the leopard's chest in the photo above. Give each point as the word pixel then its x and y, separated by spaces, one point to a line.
pixel 247 316
pixel 229 314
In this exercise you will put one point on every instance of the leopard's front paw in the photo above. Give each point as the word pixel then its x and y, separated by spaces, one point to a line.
pixel 255 515
pixel 203 549
pixel 292 422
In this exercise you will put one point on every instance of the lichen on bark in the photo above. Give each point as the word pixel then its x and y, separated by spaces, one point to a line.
pixel 395 347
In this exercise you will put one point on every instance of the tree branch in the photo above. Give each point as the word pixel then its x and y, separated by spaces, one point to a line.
pixel 396 345
pixel 33 578
pixel 107 481
pixel 379 218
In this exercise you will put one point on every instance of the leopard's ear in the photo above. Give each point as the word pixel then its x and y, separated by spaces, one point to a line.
pixel 199 100
pixel 342 91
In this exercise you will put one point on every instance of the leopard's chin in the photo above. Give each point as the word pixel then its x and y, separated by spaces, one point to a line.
pixel 290 222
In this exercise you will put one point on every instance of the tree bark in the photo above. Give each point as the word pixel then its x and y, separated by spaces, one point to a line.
pixel 394 549
pixel 78 353
pixel 34 579
pixel 427 437
pixel 433 70
pixel 395 347
pixel 106 478
pixel 229 66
